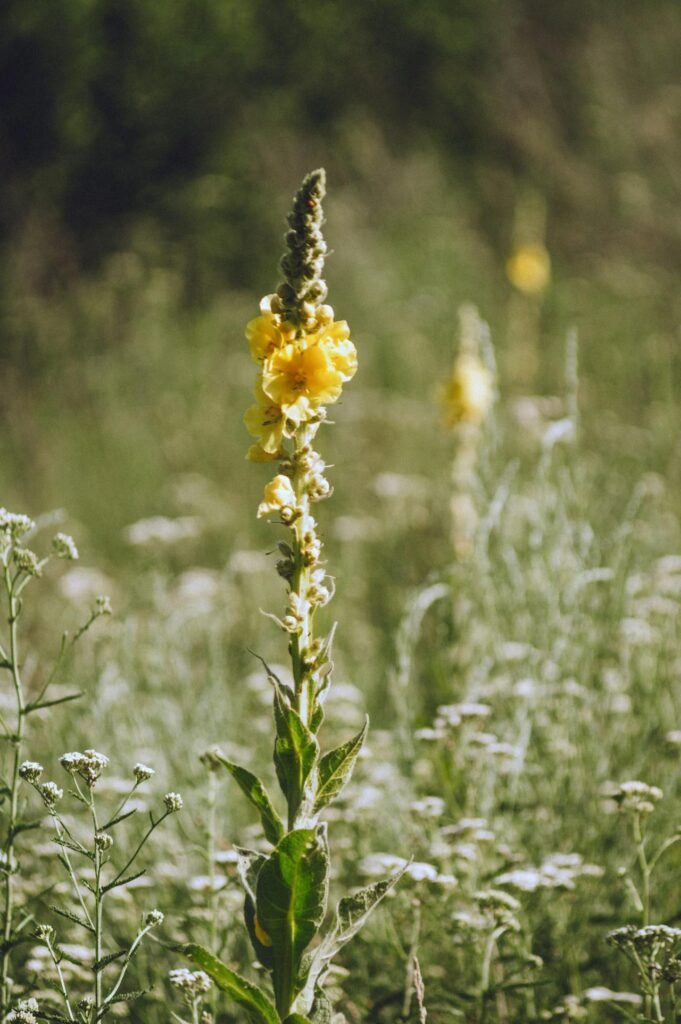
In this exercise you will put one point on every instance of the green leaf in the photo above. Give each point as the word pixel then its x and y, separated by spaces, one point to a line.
pixel 109 959
pixel 117 883
pixel 335 768
pixel 353 911
pixel 70 916
pixel 242 992
pixel 249 864
pixel 296 751
pixel 253 788
pixel 297 1018
pixel 351 914
pixel 291 898
pixel 67 844
pixel 127 997
pixel 264 953
pixel 116 821
pixel 322 1010
pixel 40 704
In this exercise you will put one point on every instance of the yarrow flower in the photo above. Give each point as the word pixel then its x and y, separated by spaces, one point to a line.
pixel 31 771
pixel 190 983
pixel 88 765
pixel 15 523
pixel 637 797
pixel 51 793
pixel 24 1013
pixel 64 547
pixel 142 773
pixel 173 802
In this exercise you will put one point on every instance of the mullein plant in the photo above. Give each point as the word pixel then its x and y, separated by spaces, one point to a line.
pixel 20 566
pixel 467 400
pixel 303 358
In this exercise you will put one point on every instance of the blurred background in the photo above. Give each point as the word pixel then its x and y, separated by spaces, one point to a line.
pixel 148 155
pixel 517 155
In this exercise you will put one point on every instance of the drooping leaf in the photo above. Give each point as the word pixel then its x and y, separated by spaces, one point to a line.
pixel 242 992
pixel 249 865
pixel 322 1010
pixel 257 935
pixel 291 898
pixel 351 914
pixel 248 868
pixel 335 768
pixel 353 911
pixel 254 790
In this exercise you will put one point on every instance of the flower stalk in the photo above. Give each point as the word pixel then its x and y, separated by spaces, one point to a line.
pixel 304 358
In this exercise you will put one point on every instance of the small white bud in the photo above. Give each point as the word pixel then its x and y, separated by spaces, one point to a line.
pixel 64 547
pixel 142 773
pixel 173 802
pixel 31 771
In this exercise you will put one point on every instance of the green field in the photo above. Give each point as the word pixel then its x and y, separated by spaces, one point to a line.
pixel 513 684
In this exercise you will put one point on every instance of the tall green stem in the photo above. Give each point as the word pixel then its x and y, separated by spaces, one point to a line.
pixel 17 743
pixel 300 583
pixel 99 896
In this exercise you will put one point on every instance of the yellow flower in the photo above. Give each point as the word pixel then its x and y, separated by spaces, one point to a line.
pixel 256 453
pixel 278 494
pixel 266 333
pixel 529 268
pixel 265 421
pixel 469 394
pixel 301 378
pixel 335 339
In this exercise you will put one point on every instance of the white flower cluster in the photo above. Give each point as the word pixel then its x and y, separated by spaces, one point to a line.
pixel 64 547
pixel 192 984
pixel 88 765
pixel 25 1013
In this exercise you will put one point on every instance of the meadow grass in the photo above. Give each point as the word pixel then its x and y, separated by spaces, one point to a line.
pixel 511 691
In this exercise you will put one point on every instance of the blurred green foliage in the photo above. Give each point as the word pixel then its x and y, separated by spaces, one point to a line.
pixel 181 114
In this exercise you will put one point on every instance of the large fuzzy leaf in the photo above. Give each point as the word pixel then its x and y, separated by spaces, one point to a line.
pixel 296 752
pixel 242 992
pixel 291 896
pixel 351 914
pixel 249 865
pixel 253 788
pixel 335 768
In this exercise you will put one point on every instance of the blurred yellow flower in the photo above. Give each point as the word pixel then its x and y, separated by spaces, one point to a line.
pixel 301 378
pixel 469 393
pixel 278 494
pixel 529 268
